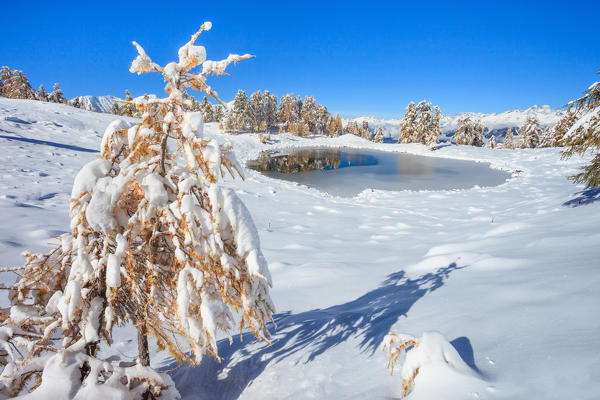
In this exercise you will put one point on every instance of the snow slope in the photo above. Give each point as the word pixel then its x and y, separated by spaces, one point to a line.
pixel 496 123
pixel 101 104
pixel 508 274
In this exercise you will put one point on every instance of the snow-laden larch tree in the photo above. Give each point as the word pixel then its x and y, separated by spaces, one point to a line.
pixel 584 135
pixel 154 242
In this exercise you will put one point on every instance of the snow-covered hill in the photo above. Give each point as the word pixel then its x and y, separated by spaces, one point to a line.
pixel 508 274
pixel 101 104
pixel 495 123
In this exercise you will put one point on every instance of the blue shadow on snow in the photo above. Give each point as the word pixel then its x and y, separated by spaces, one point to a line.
pixel 48 143
pixel 585 197
pixel 369 318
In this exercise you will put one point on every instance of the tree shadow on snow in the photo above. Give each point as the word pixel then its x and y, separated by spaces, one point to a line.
pixel 585 197
pixel 368 318
pixel 48 143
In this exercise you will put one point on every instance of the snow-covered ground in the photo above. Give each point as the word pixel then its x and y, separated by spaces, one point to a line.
pixel 508 274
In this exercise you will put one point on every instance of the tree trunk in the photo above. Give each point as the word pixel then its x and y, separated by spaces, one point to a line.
pixel 143 354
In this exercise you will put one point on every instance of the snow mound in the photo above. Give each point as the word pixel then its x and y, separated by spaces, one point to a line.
pixel 433 369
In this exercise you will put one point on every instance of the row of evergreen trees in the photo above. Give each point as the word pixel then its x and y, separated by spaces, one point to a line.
pixel 261 113
pixel 14 84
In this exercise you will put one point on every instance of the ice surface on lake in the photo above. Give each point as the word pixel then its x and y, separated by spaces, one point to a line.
pixel 328 170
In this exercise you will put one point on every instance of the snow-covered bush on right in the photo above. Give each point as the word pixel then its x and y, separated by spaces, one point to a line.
pixel 469 132
pixel 584 136
pixel 432 368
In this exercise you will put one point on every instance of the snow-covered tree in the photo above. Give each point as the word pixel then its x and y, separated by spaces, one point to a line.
pixel 154 242
pixel 41 94
pixel 492 142
pixel 128 109
pixel 378 136
pixel 364 131
pixel 408 125
pixel 76 103
pixel 270 109
pixel 242 115
pixel 308 115
pixel 57 95
pixel 115 109
pixel 584 136
pixel 218 112
pixel 289 110
pixel 552 136
pixel 207 110
pixel 352 128
pixel 529 134
pixel 508 140
pixel 469 132
pixel 15 85
pixel 5 75
pixel 258 109
pixel 428 127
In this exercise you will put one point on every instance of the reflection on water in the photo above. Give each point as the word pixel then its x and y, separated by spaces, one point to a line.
pixel 326 170
pixel 310 160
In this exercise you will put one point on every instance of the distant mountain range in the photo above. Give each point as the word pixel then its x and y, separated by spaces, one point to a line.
pixel 101 104
pixel 494 124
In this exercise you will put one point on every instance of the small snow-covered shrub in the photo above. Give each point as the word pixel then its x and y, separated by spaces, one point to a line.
pixel 154 242
pixel 431 358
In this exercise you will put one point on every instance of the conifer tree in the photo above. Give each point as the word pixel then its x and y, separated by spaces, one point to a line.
pixel 508 140
pixel 258 108
pixel 42 95
pixel 552 136
pixel 154 242
pixel 242 115
pixel 308 115
pixel 378 137
pixel 435 131
pixel 492 142
pixel 115 109
pixel 469 132
pixel 529 134
pixel 207 110
pixel 364 131
pixel 57 95
pixel 5 75
pixel 339 127
pixel 270 109
pixel 428 126
pixel 128 109
pixel 75 102
pixel 218 112
pixel 584 136
pixel 15 85
pixel 408 125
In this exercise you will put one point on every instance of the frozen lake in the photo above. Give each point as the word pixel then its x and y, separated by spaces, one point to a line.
pixel 346 172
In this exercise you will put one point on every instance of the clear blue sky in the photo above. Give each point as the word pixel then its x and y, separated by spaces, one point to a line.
pixel 356 58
